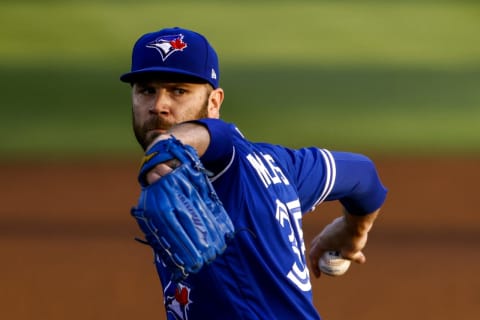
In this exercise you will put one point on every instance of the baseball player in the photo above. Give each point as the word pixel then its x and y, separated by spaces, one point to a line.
pixel 222 214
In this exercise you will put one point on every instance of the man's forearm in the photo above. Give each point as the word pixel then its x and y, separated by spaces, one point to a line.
pixel 359 225
pixel 193 134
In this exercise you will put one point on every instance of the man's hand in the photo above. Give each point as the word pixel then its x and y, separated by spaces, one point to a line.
pixel 347 234
pixel 161 170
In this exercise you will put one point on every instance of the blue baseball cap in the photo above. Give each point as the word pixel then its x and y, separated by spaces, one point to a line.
pixel 174 53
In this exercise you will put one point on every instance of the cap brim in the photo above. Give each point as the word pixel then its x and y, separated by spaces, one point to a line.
pixel 167 74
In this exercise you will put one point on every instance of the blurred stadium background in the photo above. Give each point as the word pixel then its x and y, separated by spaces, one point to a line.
pixel 397 80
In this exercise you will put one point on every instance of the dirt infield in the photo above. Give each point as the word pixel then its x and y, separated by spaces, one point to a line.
pixel 68 252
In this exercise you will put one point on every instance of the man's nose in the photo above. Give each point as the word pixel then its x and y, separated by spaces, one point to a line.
pixel 161 104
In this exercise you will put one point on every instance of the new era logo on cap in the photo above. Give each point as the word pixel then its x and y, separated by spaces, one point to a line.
pixel 174 51
pixel 166 45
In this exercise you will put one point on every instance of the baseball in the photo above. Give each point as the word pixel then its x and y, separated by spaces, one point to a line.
pixel 332 263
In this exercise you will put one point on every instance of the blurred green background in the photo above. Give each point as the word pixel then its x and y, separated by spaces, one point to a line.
pixel 385 77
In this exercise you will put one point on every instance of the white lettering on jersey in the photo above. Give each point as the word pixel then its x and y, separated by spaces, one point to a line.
pixel 274 175
pixel 278 175
pixel 288 215
pixel 298 273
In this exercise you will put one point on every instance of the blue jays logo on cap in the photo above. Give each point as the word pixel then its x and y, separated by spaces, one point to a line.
pixel 160 52
pixel 166 45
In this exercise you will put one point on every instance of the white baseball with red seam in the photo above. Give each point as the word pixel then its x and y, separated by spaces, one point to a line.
pixel 332 263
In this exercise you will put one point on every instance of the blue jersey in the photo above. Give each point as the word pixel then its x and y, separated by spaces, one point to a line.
pixel 266 189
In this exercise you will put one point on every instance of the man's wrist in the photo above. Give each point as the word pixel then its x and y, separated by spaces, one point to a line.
pixel 359 225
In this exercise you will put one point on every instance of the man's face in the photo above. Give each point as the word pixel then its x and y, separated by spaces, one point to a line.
pixel 158 105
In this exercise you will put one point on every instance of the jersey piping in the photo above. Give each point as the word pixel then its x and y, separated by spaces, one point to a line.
pixel 330 174
pixel 218 175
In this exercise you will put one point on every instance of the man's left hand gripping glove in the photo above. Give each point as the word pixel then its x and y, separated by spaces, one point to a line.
pixel 180 214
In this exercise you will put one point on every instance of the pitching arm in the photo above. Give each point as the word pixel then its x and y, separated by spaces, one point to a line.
pixel 359 190
pixel 190 133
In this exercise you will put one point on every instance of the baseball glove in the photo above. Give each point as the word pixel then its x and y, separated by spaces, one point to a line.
pixel 180 214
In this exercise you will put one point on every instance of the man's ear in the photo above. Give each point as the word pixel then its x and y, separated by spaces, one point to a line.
pixel 215 101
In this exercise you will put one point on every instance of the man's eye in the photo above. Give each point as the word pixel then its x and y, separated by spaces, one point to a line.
pixel 179 91
pixel 148 90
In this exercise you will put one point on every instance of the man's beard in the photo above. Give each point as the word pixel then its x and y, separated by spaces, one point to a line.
pixel 145 133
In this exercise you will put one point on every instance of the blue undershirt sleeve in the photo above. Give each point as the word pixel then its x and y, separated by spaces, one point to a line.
pixel 220 149
pixel 357 185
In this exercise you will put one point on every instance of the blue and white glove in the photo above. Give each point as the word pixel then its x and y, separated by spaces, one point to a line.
pixel 180 214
